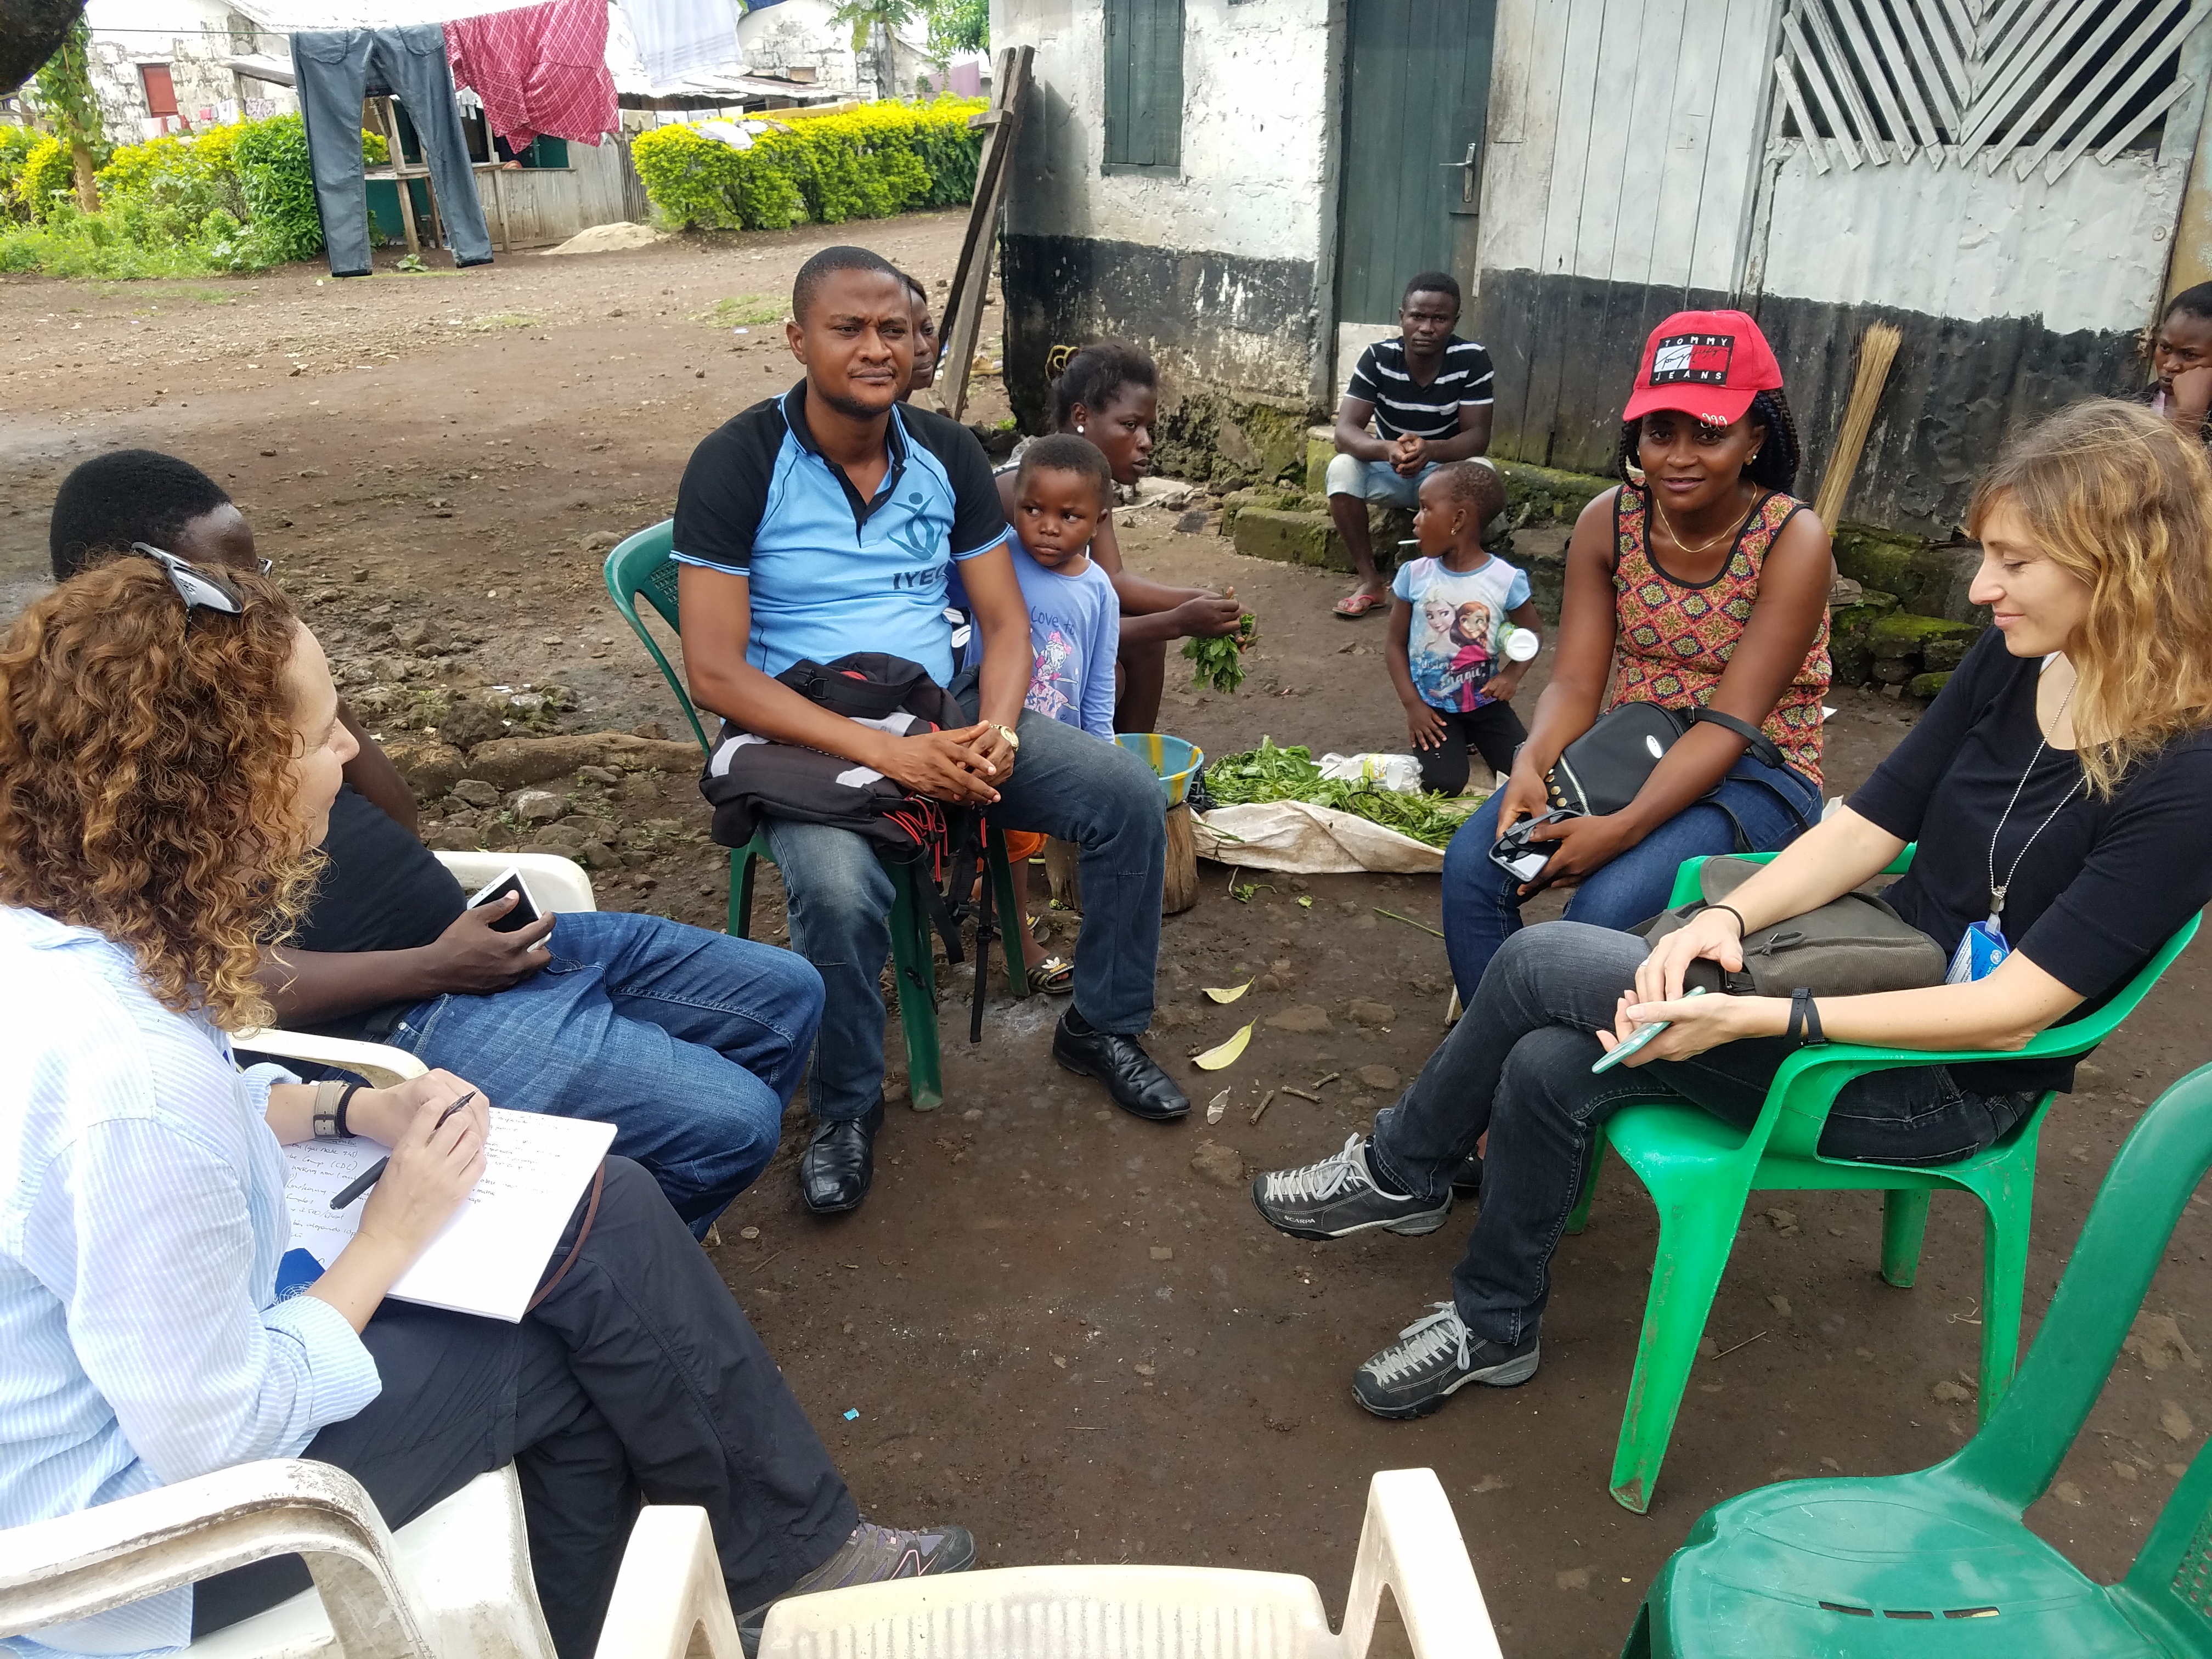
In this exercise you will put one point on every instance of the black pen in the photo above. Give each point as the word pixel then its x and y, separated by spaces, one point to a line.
pixel 367 1178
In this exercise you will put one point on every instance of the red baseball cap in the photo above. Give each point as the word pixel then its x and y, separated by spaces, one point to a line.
pixel 1705 363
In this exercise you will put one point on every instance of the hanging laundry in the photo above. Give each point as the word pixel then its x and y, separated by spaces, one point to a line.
pixel 337 68
pixel 678 38
pixel 538 70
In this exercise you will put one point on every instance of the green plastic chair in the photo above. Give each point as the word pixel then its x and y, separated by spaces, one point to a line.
pixel 1700 1173
pixel 1937 1561
pixel 640 568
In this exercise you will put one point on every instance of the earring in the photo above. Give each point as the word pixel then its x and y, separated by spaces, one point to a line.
pixel 1079 430
pixel 1751 458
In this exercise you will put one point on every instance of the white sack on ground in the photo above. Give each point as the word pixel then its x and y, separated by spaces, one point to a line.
pixel 1304 840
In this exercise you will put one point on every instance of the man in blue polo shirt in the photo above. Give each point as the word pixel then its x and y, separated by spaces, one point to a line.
pixel 827 521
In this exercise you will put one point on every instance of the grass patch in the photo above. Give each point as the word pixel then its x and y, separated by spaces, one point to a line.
pixel 59 251
pixel 506 319
pixel 743 310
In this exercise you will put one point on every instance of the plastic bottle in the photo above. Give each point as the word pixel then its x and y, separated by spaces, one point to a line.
pixel 1519 644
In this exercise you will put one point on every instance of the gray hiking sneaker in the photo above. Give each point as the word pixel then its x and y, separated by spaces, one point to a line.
pixel 1338 1196
pixel 1431 1360
pixel 872 1555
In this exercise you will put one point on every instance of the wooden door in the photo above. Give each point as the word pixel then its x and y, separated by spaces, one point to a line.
pixel 1416 92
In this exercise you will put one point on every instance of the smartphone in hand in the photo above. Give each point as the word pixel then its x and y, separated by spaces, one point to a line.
pixel 525 910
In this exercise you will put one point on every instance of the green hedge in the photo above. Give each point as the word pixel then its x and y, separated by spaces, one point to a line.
pixel 881 159
pixel 235 197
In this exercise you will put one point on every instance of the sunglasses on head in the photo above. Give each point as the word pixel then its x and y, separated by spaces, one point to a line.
pixel 200 589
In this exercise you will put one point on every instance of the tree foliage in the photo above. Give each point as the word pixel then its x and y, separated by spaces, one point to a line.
pixel 958 26
pixel 63 90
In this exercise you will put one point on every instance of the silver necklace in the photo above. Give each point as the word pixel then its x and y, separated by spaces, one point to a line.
pixel 1996 888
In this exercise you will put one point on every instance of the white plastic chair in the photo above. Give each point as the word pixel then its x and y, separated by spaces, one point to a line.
pixel 556 883
pixel 455 1582
pixel 1410 1543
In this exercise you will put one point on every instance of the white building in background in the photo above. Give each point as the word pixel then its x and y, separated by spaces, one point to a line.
pixel 1242 187
pixel 796 39
pixel 164 66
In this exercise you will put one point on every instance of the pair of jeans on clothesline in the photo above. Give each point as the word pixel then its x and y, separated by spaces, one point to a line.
pixel 336 69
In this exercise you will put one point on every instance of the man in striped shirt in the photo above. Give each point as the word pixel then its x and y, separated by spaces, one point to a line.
pixel 1428 394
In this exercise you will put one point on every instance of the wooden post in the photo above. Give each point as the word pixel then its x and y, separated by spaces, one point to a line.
pixel 971 277
pixel 384 119
pixel 499 205
pixel 1062 870
pixel 1179 891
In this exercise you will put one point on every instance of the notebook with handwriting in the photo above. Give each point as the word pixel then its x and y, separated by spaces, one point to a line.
pixel 489 1259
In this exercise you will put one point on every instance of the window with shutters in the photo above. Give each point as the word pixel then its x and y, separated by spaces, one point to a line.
pixel 2025 83
pixel 161 90
pixel 1144 83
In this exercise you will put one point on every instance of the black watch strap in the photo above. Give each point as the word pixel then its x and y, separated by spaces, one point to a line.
pixel 345 1096
pixel 1804 1027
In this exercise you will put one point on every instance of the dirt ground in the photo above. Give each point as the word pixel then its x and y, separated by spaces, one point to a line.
pixel 437 463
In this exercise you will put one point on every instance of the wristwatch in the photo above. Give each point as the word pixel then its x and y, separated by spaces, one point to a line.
pixel 330 1108
pixel 1804 1027
pixel 1007 733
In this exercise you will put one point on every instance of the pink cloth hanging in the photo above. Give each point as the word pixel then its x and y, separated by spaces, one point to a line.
pixel 539 70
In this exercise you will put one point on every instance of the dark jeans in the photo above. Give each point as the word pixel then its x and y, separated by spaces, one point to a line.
pixel 1517 1064
pixel 337 68
pixel 1493 730
pixel 1065 783
pixel 637 1379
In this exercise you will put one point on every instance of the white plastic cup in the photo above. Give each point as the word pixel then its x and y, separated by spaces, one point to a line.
pixel 1519 644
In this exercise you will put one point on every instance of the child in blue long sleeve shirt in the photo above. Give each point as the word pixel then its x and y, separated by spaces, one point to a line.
pixel 1063 489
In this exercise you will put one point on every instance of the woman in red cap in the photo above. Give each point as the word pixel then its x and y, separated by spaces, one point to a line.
pixel 1700 583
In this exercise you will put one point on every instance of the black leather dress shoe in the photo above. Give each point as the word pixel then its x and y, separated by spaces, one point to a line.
pixel 1138 1086
pixel 839 1163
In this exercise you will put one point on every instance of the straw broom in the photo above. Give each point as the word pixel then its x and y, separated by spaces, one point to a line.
pixel 1877 350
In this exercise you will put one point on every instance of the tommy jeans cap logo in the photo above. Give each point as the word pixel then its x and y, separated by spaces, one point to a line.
pixel 1702 358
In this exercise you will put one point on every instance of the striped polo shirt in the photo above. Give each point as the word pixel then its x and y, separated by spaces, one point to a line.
pixel 1402 407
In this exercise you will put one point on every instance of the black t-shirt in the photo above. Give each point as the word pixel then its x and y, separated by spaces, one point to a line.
pixel 2098 890
pixel 382 889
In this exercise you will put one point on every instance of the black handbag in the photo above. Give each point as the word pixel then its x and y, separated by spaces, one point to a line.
pixel 1603 769
pixel 1850 946
pixel 749 777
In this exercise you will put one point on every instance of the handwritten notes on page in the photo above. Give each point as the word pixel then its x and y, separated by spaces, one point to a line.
pixel 489 1258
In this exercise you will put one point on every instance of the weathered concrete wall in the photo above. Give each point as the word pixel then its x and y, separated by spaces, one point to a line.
pixel 798 34
pixel 1219 268
pixel 190 37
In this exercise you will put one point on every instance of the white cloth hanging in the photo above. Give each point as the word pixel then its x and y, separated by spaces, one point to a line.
pixel 676 37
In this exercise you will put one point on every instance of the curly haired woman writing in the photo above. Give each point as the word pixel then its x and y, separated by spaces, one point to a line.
pixel 2059 791
pixel 169 748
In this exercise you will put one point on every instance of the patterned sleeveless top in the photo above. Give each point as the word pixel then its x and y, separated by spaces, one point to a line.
pixel 1674 640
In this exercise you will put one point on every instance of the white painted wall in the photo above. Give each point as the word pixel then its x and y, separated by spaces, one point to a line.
pixel 799 35
pixel 189 36
pixel 2087 252
pixel 1622 138
pixel 1257 107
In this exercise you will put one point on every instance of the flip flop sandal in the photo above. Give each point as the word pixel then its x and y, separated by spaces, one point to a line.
pixel 1354 605
pixel 1054 976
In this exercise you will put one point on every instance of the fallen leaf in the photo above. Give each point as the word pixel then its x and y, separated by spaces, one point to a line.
pixel 1305 902
pixel 1214 1059
pixel 2175 1421
pixel 1162 1252
pixel 1230 994
pixel 1059 1360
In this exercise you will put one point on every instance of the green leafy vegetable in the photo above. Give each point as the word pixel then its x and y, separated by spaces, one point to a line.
pixel 1269 772
pixel 1220 660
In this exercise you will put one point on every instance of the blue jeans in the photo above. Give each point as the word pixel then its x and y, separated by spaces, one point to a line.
pixel 691 1044
pixel 1065 783
pixel 1482 910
